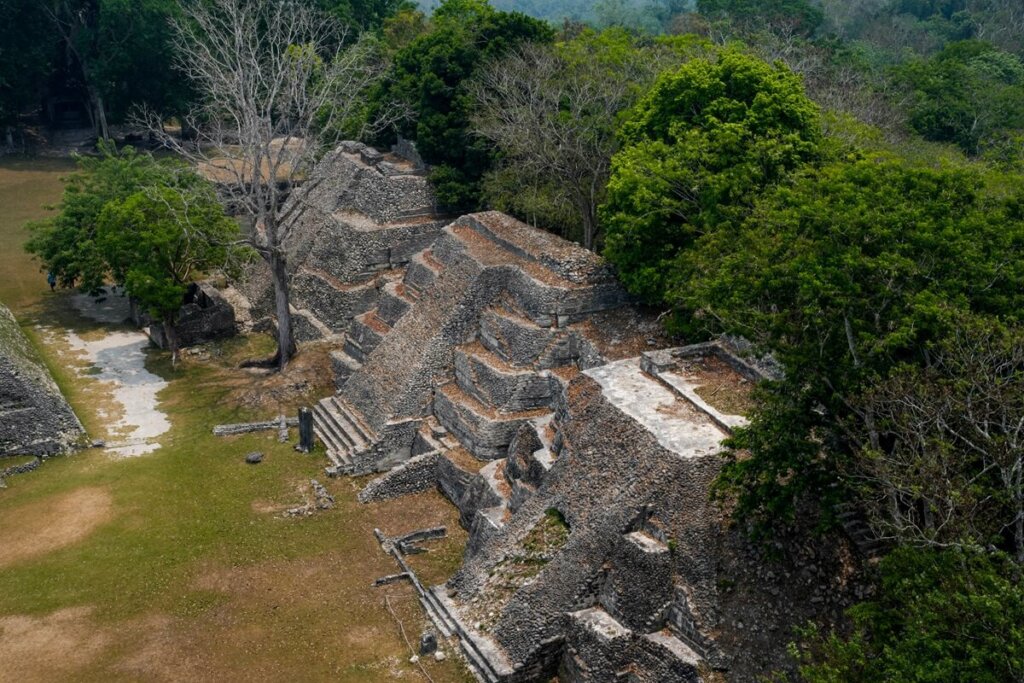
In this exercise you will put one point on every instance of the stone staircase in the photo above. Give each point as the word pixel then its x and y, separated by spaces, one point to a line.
pixel 343 432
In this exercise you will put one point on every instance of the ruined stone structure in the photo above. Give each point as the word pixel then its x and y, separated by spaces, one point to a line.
pixel 205 316
pixel 369 214
pixel 34 417
pixel 510 370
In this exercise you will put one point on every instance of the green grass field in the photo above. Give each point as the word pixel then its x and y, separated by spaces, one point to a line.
pixel 26 186
pixel 179 565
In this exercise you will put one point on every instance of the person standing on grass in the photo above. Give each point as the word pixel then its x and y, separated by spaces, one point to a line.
pixel 51 279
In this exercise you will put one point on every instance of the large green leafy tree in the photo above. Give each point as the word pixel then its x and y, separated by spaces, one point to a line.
pixel 151 226
pixel 939 617
pixel 26 53
pixel 847 274
pixel 431 76
pixel 696 153
pixel 66 244
pixel 159 239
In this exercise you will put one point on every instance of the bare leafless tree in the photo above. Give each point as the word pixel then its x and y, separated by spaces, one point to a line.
pixel 948 468
pixel 553 117
pixel 274 84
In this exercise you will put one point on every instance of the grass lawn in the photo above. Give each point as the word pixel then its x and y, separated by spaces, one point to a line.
pixel 179 565
pixel 26 186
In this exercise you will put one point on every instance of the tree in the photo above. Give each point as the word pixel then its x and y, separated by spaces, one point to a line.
pixel 801 15
pixel 159 239
pixel 946 468
pixel 150 226
pixel 846 274
pixel 431 77
pixel 697 151
pixel 967 94
pixel 121 49
pixel 271 88
pixel 552 113
pixel 364 14
pixel 939 616
pixel 66 244
pixel 25 57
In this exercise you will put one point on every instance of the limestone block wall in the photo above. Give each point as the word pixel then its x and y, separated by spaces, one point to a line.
pixel 610 480
pixel 367 215
pixel 35 419
pixel 445 340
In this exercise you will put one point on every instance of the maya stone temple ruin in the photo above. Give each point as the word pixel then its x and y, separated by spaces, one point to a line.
pixel 509 369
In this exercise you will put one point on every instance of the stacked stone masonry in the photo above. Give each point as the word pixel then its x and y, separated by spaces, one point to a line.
pixel 508 368
pixel 35 419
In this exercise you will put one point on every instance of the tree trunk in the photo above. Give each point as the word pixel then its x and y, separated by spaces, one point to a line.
pixel 101 114
pixel 589 225
pixel 282 303
pixel 9 135
pixel 173 344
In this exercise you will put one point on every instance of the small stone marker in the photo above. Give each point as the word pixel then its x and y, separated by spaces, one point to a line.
pixel 305 430
pixel 428 643
pixel 440 656
pixel 254 458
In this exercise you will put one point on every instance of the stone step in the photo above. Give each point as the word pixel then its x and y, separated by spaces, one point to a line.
pixel 328 431
pixel 514 338
pixel 353 418
pixel 356 439
pixel 365 334
pixel 394 302
pixel 484 658
pixel 484 432
pixel 336 453
pixel 343 432
pixel 344 367
pixel 486 376
pixel 421 274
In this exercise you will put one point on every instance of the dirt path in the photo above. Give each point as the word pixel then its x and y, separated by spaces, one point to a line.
pixel 43 527
pixel 119 358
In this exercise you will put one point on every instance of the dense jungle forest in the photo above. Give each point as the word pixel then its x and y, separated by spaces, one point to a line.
pixel 840 182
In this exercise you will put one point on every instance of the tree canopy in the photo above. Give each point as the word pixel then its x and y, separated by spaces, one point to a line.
pixel 431 76
pixel 697 150
pixel 128 219
pixel 846 274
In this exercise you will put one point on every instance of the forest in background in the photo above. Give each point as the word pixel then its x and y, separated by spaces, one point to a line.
pixel 838 182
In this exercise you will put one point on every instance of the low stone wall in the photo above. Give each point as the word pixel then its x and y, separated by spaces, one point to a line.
pixel 24 468
pixel 413 476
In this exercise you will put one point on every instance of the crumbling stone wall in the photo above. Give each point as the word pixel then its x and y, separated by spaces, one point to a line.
pixel 35 419
pixel 367 216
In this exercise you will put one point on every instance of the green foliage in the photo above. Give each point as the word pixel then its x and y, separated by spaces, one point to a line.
pixel 939 617
pixel 802 15
pixel 968 94
pixel 123 48
pixel 698 150
pixel 67 243
pixel 553 113
pixel 846 273
pixel 146 224
pixel 431 76
pixel 25 56
pixel 364 14
pixel 160 238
